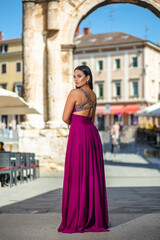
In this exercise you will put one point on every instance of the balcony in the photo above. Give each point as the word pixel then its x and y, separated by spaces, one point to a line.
pixel 100 98
pixel 134 97
pixel 116 98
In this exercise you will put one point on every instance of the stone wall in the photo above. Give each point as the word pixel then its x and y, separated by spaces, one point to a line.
pixel 49 146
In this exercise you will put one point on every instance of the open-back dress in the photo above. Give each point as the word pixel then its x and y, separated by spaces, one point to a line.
pixel 84 199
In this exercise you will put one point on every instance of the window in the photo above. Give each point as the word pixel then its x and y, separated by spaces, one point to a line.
pixel 134 62
pixel 18 88
pixel 84 63
pixel 159 92
pixel 4 68
pixel 135 88
pixel 4 48
pixel 100 65
pixel 134 119
pixel 18 67
pixel 3 85
pixel 117 63
pixel 101 122
pixel 117 118
pixel 153 89
pixel 99 90
pixel 117 89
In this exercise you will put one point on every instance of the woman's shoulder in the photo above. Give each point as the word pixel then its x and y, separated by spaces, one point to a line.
pixel 74 91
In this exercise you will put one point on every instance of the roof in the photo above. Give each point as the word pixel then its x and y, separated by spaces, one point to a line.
pixel 10 40
pixel 103 39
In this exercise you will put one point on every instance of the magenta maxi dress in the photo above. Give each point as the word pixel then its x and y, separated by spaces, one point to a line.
pixel 84 199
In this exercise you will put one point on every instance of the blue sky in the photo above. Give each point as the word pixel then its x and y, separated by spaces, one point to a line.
pixel 128 18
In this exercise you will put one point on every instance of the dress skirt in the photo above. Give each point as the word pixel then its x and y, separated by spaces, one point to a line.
pixel 84 198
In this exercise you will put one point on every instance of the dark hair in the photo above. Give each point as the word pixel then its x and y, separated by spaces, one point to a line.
pixel 2 144
pixel 87 71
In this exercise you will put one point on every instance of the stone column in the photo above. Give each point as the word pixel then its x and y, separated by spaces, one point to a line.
pixel 67 68
pixel 54 66
pixel 32 61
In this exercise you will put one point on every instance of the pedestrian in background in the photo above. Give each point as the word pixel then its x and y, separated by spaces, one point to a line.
pixel 3 177
pixel 10 129
pixel 116 129
pixel 3 125
pixel 18 127
pixel 113 143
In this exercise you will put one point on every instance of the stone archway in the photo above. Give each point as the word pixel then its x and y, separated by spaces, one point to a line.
pixel 48 32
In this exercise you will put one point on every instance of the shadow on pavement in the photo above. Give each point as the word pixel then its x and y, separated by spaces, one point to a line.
pixel 128 164
pixel 124 203
pixel 130 148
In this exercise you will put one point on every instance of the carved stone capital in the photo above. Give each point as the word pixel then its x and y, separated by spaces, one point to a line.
pixel 67 47
pixel 25 1
pixel 40 1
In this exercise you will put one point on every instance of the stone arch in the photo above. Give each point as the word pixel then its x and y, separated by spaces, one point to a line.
pixel 82 10
pixel 48 32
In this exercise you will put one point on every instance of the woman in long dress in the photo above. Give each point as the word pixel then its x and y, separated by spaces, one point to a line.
pixel 84 200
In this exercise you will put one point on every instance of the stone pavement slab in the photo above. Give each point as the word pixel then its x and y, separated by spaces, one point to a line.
pixel 133 193
pixel 44 226
pixel 134 213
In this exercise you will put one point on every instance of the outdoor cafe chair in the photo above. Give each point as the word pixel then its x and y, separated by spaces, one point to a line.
pixel 25 162
pixel 6 166
pixel 33 165
pixel 18 167
pixel 37 168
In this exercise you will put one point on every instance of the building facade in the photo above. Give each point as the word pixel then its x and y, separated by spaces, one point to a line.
pixel 126 74
pixel 11 69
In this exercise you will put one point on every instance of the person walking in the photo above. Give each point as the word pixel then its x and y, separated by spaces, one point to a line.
pixel 113 143
pixel 84 199
pixel 10 128
pixel 4 178
pixel 3 125
pixel 116 129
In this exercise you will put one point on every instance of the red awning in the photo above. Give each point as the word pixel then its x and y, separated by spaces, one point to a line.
pixel 131 108
pixel 116 109
pixel 100 110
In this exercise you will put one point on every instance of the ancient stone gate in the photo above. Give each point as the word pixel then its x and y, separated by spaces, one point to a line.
pixel 48 32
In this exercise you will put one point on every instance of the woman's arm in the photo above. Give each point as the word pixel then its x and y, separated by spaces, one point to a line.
pixel 94 111
pixel 93 116
pixel 70 102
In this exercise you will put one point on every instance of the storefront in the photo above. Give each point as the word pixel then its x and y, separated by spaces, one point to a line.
pixel 118 113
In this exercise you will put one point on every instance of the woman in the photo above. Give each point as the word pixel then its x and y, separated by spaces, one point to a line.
pixel 113 143
pixel 84 201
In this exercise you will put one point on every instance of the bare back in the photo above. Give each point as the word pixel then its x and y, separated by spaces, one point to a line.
pixel 85 103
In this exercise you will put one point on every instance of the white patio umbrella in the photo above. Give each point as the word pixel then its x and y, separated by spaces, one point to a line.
pixel 150 110
pixel 12 104
pixel 155 113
